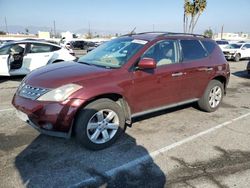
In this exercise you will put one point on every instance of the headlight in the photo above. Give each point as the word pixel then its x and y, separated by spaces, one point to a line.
pixel 60 94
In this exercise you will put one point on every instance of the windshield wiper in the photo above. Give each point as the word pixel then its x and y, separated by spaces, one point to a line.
pixel 85 63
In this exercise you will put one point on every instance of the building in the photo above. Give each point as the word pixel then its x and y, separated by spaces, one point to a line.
pixel 43 35
pixel 232 36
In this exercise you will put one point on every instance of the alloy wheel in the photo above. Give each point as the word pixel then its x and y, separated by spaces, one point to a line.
pixel 102 126
pixel 215 96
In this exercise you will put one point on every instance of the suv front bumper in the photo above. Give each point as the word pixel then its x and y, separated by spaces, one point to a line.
pixel 50 118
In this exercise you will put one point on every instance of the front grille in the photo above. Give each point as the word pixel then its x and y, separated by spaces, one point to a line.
pixel 31 92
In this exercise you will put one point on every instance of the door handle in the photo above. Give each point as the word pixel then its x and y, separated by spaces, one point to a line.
pixel 206 69
pixel 209 68
pixel 177 74
pixel 46 56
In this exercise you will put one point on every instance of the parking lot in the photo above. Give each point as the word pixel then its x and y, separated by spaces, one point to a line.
pixel 180 147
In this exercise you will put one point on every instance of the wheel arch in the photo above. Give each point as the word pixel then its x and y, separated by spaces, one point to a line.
pixel 118 98
pixel 223 80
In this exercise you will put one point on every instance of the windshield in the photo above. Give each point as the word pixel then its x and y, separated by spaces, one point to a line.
pixel 233 46
pixel 113 54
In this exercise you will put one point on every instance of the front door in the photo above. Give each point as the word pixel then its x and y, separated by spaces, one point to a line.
pixel 161 86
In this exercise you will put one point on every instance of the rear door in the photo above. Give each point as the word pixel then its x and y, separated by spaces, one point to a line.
pixel 198 68
pixel 38 55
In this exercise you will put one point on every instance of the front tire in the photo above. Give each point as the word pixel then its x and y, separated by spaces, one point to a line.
pixel 99 124
pixel 211 99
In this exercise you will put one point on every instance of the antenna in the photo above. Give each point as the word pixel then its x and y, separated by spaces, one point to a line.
pixel 133 31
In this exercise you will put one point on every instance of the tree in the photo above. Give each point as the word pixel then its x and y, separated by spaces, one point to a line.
pixel 26 31
pixel 209 33
pixel 192 12
pixel 2 33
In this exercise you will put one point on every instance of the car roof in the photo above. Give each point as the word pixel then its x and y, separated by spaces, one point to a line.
pixel 30 41
pixel 150 36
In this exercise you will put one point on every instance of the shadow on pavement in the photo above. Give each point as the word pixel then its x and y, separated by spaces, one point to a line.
pixel 242 74
pixel 54 162
pixel 227 163
pixel 11 78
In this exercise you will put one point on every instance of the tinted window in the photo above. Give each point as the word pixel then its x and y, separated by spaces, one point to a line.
pixel 55 48
pixel 192 49
pixel 247 45
pixel 40 48
pixel 221 42
pixel 164 52
pixel 209 46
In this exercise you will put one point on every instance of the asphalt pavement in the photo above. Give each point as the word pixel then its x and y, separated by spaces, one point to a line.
pixel 179 147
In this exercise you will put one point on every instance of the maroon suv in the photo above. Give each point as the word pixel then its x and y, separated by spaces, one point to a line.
pixel 126 77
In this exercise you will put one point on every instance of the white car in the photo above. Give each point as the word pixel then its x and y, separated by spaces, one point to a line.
pixel 222 43
pixel 21 57
pixel 237 51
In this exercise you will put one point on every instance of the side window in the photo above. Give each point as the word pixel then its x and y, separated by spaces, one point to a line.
pixel 55 48
pixel 247 46
pixel 17 49
pixel 209 45
pixel 164 52
pixel 192 50
pixel 40 48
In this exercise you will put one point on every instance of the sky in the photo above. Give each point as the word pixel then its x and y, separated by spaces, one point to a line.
pixel 122 16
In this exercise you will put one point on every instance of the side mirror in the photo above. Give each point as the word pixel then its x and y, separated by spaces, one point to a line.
pixel 244 48
pixel 147 63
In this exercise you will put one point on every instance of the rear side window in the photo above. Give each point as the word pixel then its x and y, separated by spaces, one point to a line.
pixel 209 46
pixel 40 48
pixel 55 48
pixel 192 50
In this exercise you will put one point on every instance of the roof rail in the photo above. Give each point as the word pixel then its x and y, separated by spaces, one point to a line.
pixel 190 34
pixel 164 33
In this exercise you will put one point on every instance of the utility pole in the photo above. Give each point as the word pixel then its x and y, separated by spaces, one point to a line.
pixel 6 25
pixel 54 28
pixel 222 30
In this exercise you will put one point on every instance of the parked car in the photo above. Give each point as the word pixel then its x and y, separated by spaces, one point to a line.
pixel 93 45
pixel 21 57
pixel 237 51
pixel 248 67
pixel 222 43
pixel 127 77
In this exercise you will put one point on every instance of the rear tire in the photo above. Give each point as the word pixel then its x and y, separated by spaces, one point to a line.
pixel 99 124
pixel 211 99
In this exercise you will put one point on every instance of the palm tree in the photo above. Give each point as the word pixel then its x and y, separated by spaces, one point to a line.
pixel 194 10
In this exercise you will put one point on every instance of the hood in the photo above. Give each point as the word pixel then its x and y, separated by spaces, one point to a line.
pixel 55 75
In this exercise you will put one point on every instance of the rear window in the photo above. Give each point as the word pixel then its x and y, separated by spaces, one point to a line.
pixel 209 46
pixel 192 50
